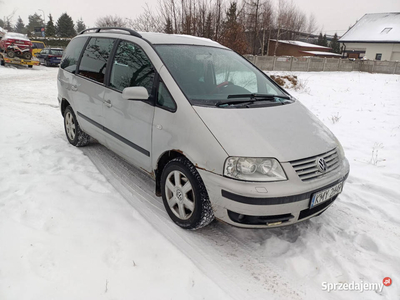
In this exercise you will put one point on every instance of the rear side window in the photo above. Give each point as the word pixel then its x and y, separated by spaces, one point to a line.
pixel 38 45
pixel 131 67
pixel 72 53
pixel 94 60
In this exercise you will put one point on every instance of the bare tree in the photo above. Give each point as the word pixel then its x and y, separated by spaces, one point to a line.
pixel 311 24
pixel 7 21
pixel 111 21
pixel 148 21
pixel 259 22
pixel 218 17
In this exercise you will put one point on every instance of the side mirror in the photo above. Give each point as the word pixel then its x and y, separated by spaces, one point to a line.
pixel 135 93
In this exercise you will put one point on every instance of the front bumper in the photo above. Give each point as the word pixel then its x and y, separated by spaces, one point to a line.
pixel 269 204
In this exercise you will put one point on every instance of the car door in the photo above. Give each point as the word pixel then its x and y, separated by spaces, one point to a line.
pixel 128 123
pixel 89 86
pixel 41 55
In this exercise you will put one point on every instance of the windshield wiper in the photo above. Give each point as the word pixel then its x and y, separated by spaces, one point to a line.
pixel 253 98
pixel 256 97
pixel 227 103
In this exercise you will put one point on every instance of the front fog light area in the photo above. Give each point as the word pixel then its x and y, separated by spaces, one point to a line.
pixel 254 169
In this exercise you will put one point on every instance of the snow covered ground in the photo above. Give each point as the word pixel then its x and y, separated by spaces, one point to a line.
pixel 83 224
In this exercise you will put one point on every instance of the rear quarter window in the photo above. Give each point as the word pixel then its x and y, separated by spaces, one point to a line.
pixel 72 53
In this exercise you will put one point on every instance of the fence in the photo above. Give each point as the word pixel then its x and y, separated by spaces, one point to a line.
pixel 317 64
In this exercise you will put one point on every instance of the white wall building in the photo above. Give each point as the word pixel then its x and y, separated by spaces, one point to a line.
pixel 374 36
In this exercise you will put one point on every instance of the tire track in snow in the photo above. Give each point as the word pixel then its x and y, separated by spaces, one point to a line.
pixel 225 257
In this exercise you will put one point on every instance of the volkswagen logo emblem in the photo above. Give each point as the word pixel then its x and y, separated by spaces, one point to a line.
pixel 321 164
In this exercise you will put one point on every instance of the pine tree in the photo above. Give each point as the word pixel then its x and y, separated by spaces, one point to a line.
pixel 50 28
pixel 335 45
pixel 324 41
pixel 320 39
pixel 34 21
pixel 8 26
pixel 65 26
pixel 80 25
pixel 20 26
pixel 168 26
pixel 233 32
pixel 209 30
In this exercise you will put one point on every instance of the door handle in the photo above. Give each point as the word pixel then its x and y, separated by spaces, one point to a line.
pixel 107 103
pixel 74 88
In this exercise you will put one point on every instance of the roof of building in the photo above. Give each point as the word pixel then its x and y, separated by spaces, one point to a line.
pixel 378 28
pixel 302 44
pixel 321 53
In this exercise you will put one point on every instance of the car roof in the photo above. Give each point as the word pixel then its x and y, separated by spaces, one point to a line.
pixel 15 35
pixel 156 38
pixel 180 39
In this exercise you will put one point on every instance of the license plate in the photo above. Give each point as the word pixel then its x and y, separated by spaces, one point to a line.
pixel 325 195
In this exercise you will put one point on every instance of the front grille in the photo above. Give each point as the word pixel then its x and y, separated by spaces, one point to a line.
pixel 307 168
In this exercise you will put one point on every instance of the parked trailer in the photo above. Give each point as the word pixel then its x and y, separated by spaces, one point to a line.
pixel 4 59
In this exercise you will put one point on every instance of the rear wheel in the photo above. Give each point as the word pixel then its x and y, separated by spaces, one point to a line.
pixel 73 132
pixel 27 55
pixel 184 195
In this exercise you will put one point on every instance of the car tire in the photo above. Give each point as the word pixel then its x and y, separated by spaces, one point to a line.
pixel 73 131
pixel 46 63
pixel 10 53
pixel 184 195
pixel 27 55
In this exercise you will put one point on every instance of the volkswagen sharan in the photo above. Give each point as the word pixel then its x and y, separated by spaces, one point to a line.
pixel 219 137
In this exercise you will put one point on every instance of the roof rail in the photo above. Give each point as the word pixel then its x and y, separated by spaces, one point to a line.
pixel 98 29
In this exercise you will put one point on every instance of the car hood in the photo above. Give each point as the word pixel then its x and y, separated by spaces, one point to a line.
pixel 286 132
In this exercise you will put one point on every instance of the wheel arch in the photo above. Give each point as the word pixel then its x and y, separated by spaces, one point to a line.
pixel 64 104
pixel 163 160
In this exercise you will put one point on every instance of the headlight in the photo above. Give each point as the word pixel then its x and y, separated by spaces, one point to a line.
pixel 254 169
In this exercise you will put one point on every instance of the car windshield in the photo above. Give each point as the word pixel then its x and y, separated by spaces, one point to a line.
pixel 209 75
pixel 56 52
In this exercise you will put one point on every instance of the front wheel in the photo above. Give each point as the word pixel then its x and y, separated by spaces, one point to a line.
pixel 184 195
pixel 11 53
pixel 73 132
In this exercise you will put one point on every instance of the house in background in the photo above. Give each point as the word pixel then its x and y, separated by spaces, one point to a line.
pixel 297 49
pixel 374 36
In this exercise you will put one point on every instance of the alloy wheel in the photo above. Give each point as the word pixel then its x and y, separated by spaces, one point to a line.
pixel 180 195
pixel 70 126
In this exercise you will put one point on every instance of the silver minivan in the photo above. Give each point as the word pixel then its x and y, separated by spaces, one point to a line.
pixel 219 137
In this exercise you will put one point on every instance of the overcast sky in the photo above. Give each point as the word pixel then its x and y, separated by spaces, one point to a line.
pixel 331 16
